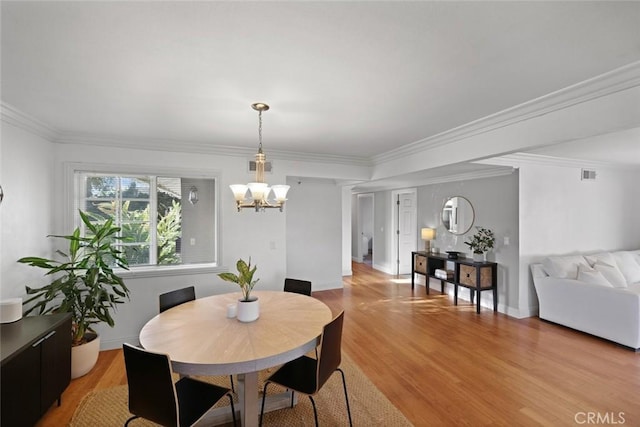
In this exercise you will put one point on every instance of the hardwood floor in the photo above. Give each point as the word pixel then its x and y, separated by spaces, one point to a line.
pixel 442 364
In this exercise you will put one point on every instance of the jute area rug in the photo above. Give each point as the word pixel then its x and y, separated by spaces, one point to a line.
pixel 369 407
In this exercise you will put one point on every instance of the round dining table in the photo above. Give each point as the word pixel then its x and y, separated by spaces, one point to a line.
pixel 201 340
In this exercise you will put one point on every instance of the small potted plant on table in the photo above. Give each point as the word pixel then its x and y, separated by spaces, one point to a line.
pixel 480 243
pixel 248 306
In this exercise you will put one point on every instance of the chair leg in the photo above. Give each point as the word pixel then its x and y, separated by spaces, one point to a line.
pixel 231 379
pixel 315 412
pixel 292 393
pixel 346 396
pixel 130 419
pixel 264 395
pixel 233 409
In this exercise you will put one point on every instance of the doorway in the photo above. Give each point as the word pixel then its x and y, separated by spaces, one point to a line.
pixel 365 228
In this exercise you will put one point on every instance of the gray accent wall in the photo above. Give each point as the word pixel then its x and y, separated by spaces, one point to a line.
pixel 495 205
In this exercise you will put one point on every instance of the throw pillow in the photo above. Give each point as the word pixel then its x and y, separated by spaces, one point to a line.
pixel 563 267
pixel 612 274
pixel 589 275
pixel 628 266
pixel 605 257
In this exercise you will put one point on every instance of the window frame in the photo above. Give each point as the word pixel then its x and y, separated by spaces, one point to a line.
pixel 72 219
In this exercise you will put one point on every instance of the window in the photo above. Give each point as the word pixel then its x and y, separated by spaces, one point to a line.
pixel 165 221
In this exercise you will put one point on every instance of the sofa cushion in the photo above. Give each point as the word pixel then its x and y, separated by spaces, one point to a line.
pixel 628 265
pixel 563 267
pixel 589 275
pixel 612 274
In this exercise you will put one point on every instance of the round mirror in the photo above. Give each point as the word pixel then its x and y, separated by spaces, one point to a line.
pixel 457 215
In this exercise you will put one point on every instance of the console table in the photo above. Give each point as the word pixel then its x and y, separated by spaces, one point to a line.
pixel 36 366
pixel 476 276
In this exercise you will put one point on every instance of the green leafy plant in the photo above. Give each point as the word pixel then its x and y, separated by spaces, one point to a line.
pixel 482 241
pixel 244 278
pixel 86 285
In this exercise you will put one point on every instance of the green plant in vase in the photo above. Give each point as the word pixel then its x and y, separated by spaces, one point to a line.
pixel 84 283
pixel 248 308
pixel 244 278
pixel 481 242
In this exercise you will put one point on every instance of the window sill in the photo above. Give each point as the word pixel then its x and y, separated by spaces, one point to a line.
pixel 166 270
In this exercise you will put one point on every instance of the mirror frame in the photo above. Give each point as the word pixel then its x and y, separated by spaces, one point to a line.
pixel 444 223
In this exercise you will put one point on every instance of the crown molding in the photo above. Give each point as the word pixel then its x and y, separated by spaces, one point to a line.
pixel 171 145
pixel 468 176
pixel 17 118
pixel 617 80
pixel 370 187
pixel 620 79
pixel 518 159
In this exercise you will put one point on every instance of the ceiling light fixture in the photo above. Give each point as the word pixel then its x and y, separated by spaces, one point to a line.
pixel 259 190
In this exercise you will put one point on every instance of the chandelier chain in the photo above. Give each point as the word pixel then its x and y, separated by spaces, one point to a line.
pixel 260 131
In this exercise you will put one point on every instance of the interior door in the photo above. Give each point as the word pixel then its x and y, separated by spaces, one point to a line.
pixel 407 230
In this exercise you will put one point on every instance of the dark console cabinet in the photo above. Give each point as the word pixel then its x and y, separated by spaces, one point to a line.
pixel 36 366
pixel 476 276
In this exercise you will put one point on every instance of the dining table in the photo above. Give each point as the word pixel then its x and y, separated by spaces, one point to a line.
pixel 201 340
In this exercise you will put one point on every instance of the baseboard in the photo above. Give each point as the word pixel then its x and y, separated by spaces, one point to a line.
pixel 117 343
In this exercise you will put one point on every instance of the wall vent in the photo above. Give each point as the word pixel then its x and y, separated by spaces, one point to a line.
pixel 588 175
pixel 252 166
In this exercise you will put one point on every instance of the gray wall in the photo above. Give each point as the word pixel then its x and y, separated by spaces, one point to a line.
pixel 495 204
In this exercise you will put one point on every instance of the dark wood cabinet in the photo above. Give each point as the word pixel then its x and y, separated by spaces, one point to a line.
pixel 36 366
pixel 476 276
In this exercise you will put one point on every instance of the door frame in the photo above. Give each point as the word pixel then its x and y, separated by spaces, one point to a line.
pixel 359 229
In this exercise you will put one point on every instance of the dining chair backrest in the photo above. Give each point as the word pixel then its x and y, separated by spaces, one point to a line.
pixel 330 354
pixel 152 393
pixel 179 296
pixel 297 286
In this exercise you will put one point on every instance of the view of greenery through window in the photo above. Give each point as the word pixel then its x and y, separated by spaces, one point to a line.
pixel 148 218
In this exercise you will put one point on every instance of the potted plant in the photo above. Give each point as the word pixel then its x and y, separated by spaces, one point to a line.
pixel 248 307
pixel 480 243
pixel 85 285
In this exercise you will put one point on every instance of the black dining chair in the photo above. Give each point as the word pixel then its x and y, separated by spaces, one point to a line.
pixel 179 296
pixel 154 396
pixel 307 375
pixel 297 286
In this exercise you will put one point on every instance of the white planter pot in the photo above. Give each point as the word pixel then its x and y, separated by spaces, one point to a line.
pixel 479 257
pixel 248 311
pixel 84 357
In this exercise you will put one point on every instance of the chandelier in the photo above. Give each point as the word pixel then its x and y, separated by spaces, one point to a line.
pixel 259 191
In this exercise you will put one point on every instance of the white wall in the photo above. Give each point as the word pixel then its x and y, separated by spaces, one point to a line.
pixel 26 175
pixel 314 233
pixel 346 230
pixel 36 204
pixel 561 214
pixel 383 256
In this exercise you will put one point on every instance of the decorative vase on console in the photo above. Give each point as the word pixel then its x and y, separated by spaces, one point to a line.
pixel 248 309
pixel 480 243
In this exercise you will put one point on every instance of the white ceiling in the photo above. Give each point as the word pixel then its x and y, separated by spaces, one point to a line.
pixel 352 79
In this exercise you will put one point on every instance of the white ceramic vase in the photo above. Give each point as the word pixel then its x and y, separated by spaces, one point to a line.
pixel 248 311
pixel 479 257
pixel 84 357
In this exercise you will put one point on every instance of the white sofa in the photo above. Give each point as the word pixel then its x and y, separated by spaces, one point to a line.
pixel 595 293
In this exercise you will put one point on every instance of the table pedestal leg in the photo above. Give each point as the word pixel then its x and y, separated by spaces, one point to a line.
pixel 248 398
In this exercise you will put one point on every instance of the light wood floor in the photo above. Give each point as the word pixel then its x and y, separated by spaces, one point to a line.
pixel 442 364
